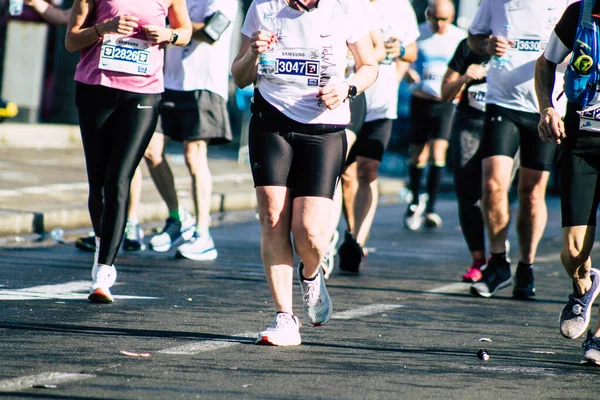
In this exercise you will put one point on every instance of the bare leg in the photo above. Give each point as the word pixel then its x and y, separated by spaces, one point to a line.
pixel 496 214
pixel 274 210
pixel 533 213
pixel 197 163
pixel 310 231
pixel 575 255
pixel 161 172
pixel 367 198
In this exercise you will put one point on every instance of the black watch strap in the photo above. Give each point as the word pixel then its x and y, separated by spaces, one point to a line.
pixel 352 92
pixel 175 37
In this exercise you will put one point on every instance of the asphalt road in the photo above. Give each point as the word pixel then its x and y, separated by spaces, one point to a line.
pixel 405 328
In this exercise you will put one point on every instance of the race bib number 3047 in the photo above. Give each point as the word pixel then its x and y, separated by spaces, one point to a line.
pixel 300 66
pixel 125 54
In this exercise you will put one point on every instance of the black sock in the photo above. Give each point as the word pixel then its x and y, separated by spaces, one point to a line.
pixel 415 173
pixel 523 266
pixel 433 186
pixel 498 256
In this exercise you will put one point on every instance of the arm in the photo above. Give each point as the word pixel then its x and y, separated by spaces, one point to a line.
pixel 366 73
pixel 181 26
pixel 489 44
pixel 378 45
pixel 401 69
pixel 198 33
pixel 454 83
pixel 49 13
pixel 410 53
pixel 551 127
pixel 244 66
pixel 78 36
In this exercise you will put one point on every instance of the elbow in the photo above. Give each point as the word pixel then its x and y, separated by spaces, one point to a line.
pixel 446 95
pixel 71 48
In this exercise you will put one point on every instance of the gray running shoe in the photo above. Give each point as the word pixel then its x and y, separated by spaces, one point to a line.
pixel 134 238
pixel 413 218
pixel 494 276
pixel 575 316
pixel 317 303
pixel 591 350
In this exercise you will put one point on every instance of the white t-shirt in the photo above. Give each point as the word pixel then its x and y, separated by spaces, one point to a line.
pixel 395 18
pixel 199 65
pixel 311 49
pixel 435 51
pixel 529 24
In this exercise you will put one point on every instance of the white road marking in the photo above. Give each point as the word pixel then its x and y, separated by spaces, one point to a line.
pixel 365 311
pixel 77 290
pixel 457 287
pixel 208 345
pixel 46 378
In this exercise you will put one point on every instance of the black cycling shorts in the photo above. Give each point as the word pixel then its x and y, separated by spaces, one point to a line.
pixel 307 158
pixel 372 140
pixel 430 119
pixel 579 175
pixel 505 129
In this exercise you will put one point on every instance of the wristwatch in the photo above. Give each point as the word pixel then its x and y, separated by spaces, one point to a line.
pixel 402 51
pixel 174 36
pixel 352 92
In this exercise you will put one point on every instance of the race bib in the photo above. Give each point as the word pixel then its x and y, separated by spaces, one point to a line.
pixel 529 45
pixel 476 95
pixel 589 119
pixel 434 72
pixel 299 66
pixel 125 54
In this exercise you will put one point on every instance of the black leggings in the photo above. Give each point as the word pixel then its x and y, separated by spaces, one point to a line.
pixel 466 160
pixel 116 127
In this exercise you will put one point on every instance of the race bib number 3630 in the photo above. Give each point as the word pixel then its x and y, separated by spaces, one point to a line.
pixel 125 54
pixel 529 45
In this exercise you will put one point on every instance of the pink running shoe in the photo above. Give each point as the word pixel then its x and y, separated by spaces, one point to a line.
pixel 473 274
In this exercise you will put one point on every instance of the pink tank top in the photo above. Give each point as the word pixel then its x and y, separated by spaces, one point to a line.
pixel 150 12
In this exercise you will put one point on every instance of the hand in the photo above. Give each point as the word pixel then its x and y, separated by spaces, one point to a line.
pixel 412 76
pixel 475 72
pixel 157 34
pixel 392 47
pixel 262 41
pixel 498 45
pixel 334 95
pixel 551 127
pixel 123 25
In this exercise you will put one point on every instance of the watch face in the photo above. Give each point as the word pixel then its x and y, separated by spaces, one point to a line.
pixel 352 92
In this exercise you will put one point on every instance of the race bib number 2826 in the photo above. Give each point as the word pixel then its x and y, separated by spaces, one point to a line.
pixel 125 54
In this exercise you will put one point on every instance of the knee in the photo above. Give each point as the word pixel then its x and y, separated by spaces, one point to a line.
pixel 153 158
pixel 493 187
pixel 531 195
pixel 573 256
pixel 367 171
pixel 308 235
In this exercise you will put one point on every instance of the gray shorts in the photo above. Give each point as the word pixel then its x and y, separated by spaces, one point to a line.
pixel 194 115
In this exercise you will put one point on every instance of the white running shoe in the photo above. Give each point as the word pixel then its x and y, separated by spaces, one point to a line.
pixel 414 213
pixel 317 303
pixel 433 220
pixel 284 331
pixel 103 277
pixel 328 262
pixel 199 248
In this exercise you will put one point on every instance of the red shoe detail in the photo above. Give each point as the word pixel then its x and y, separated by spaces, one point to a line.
pixel 99 296
pixel 473 274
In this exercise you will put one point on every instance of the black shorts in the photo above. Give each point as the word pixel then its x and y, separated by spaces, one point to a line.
pixel 358 111
pixel 430 119
pixel 579 174
pixel 505 129
pixel 372 140
pixel 194 115
pixel 307 158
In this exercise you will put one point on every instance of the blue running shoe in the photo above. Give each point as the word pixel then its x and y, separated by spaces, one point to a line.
pixel 575 316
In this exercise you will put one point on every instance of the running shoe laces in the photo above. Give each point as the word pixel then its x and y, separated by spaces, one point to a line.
pixel 575 315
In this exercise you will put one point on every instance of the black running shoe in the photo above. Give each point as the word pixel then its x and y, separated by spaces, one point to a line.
pixel 350 254
pixel 523 288
pixel 87 243
pixel 495 276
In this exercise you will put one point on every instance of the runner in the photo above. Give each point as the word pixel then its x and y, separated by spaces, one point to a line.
pixel 297 140
pixel 431 117
pixel 194 111
pixel 117 103
pixel 579 163
pixel 514 39
pixel 465 79
pixel 134 235
pixel 397 24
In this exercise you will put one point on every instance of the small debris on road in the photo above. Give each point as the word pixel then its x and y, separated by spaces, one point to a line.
pixel 483 355
pixel 484 339
pixel 131 354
